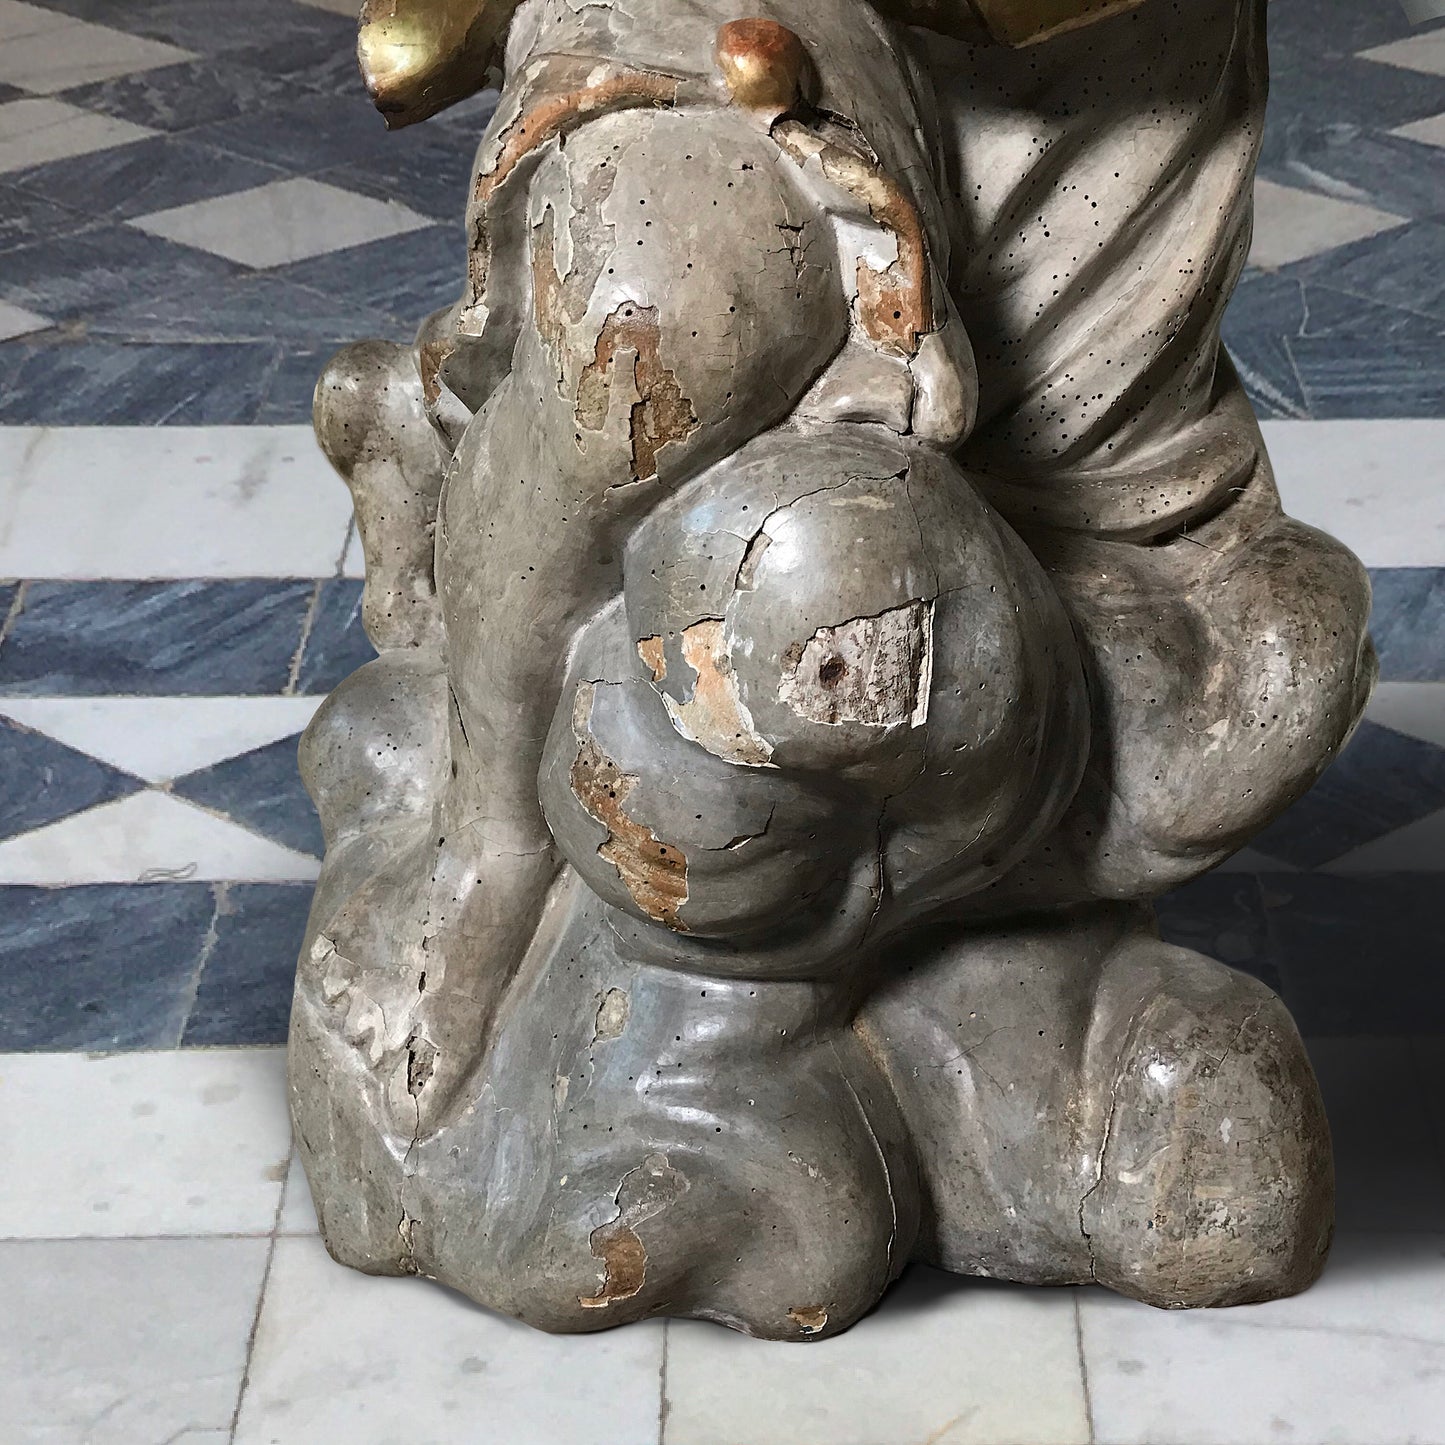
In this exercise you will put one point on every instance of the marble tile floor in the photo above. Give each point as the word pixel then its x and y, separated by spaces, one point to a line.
pixel 164 1282
pixel 158 662
pixel 197 204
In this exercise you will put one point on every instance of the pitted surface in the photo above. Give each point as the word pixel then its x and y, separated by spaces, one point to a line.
pixel 828 580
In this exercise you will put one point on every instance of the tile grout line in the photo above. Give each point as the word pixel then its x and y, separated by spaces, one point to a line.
pixel 308 623
pixel 662 1386
pixel 1268 392
pixel 275 1234
pixel 1083 1368
pixel 340 568
pixel 17 606
pixel 220 898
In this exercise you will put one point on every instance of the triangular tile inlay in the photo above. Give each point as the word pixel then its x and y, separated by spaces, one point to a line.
pixel 45 780
pixel 159 738
pixel 148 837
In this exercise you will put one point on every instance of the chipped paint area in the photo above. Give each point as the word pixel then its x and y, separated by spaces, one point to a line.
pixel 378 1006
pixel 645 1192
pixel 612 1015
pixel 877 671
pixel 661 413
pixel 554 115
pixel 715 716
pixel 653 872
pixel 547 307
pixel 811 1319
pixel 650 650
pixel 895 304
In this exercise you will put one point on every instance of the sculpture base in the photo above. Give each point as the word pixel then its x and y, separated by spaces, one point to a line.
pixel 1055 1100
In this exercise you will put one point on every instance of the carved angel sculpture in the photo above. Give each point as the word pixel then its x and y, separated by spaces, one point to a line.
pixel 827 580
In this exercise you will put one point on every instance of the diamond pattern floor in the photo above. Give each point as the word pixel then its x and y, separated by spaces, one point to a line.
pixel 196 206
pixel 198 124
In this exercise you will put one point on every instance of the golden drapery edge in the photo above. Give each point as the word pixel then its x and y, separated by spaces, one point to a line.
pixel 420 56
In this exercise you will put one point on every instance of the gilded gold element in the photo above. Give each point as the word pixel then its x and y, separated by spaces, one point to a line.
pixel 419 56
pixel 762 63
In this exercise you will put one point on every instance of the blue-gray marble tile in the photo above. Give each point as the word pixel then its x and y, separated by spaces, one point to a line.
pixel 256 307
pixel 286 398
pixel 320 61
pixel 195 93
pixel 44 780
pixel 1401 268
pixel 1314 85
pixel 429 169
pixel 1382 781
pixel 1266 310
pixel 410 275
pixel 1338 27
pixel 109 186
pixel 1222 915
pixel 1360 359
pixel 26 219
pixel 1360 955
pixel 1407 622
pixel 313 133
pixel 469 117
pixel 208 27
pixel 68 379
pixel 337 644
pixel 104 966
pixel 262 791
pixel 1403 177
pixel 244 996
pixel 193 638
pixel 72 277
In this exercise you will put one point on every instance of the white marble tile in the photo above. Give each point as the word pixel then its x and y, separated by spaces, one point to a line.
pixel 1357 1360
pixel 125 1342
pixel 1388 1176
pixel 148 837
pixel 281 222
pixel 298 1213
pixel 1430 131
pixel 1290 224
pixel 1425 53
pixel 1416 708
pixel 165 502
pixel 342 1356
pixel 17 321
pixel 36 131
pixel 191 1141
pixel 158 738
pixel 18 20
pixel 1373 484
pixel 60 57
pixel 945 1361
